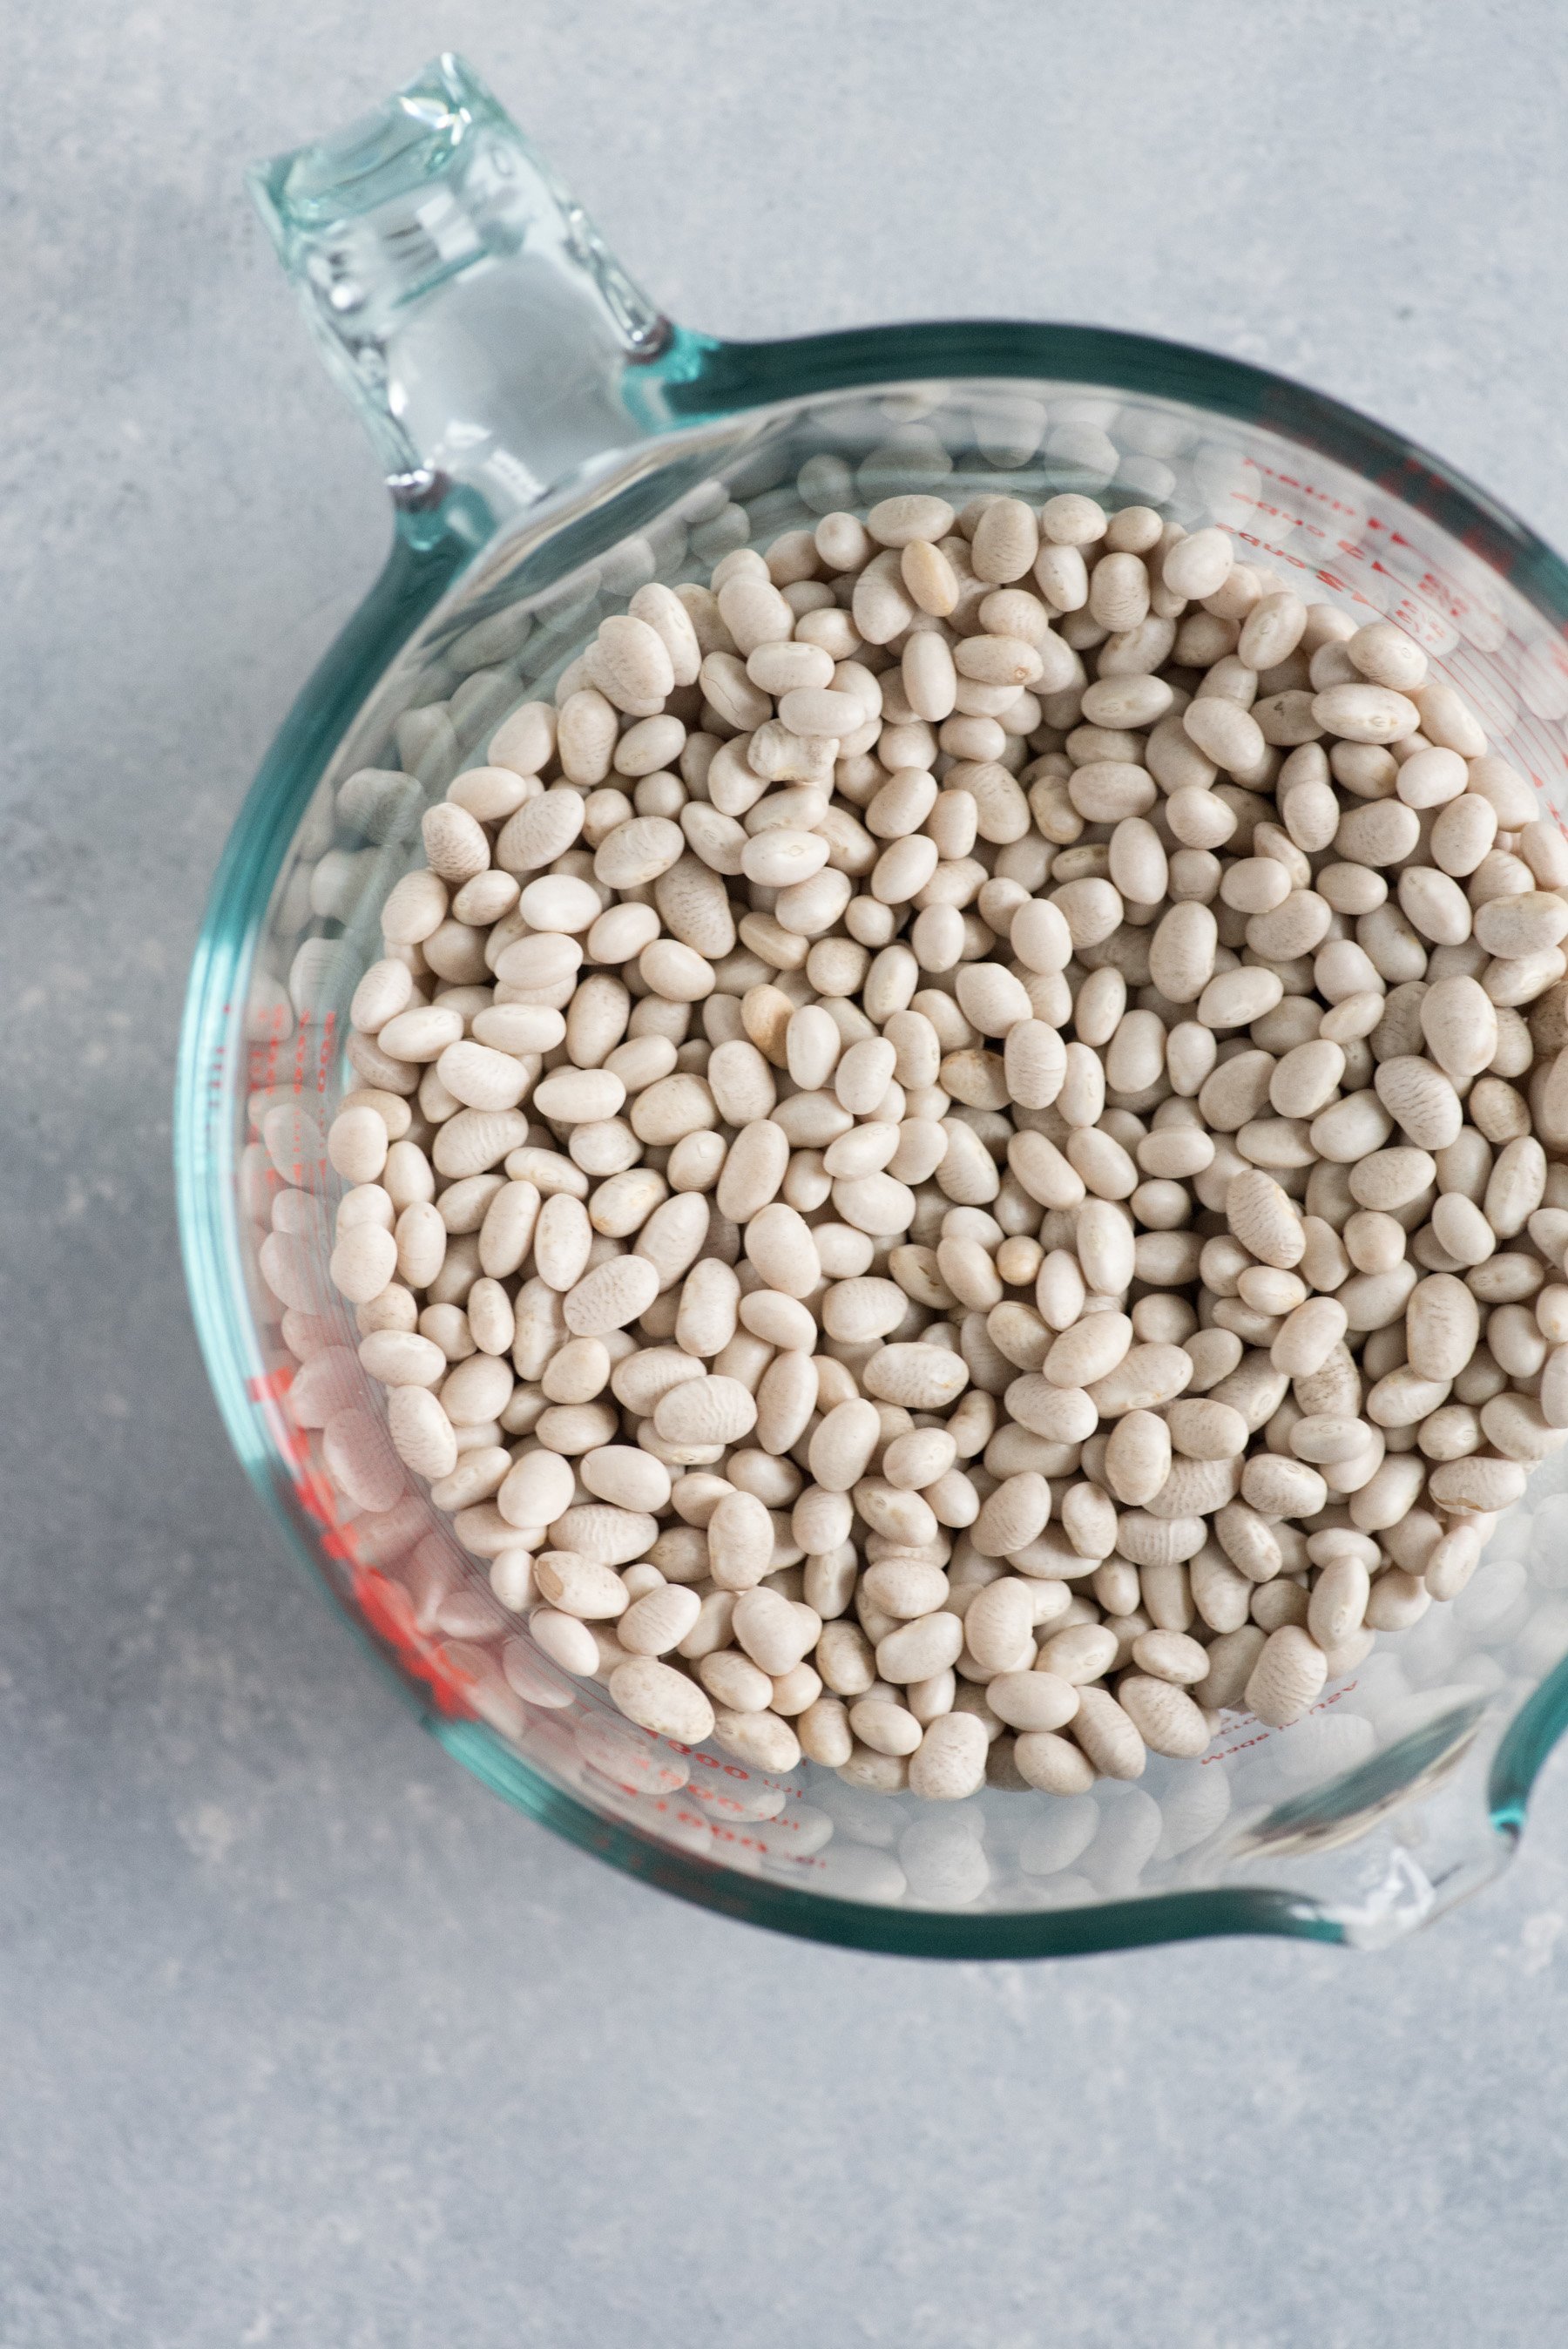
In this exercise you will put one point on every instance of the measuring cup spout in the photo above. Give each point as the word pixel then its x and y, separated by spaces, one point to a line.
pixel 465 302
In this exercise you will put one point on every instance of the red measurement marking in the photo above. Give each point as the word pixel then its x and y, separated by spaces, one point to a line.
pixel 323 1057
pixel 1245 1743
pixel 262 1063
pixel 784 1821
pixel 681 1816
pixel 1307 489
pixel 316 1490
pixel 730 1769
pixel 1260 1739
pixel 721 1833
pixel 388 1611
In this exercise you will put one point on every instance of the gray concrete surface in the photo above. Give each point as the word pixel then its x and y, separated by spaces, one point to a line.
pixel 307 2041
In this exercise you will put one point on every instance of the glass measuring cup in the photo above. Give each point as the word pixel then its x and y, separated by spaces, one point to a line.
pixel 551 442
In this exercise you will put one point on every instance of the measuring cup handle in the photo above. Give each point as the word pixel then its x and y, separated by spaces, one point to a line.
pixel 465 302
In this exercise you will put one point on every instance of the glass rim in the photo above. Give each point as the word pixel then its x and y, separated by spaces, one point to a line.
pixel 698 381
